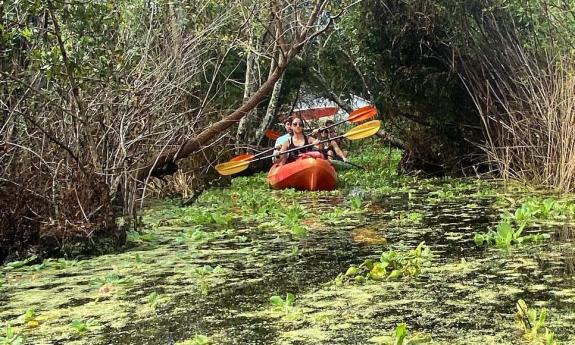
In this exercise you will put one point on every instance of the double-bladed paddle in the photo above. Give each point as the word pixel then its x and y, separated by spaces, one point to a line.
pixel 358 115
pixel 359 132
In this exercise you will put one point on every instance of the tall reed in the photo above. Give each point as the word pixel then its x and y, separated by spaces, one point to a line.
pixel 523 85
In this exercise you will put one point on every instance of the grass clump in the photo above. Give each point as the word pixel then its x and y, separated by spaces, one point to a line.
pixel 532 325
pixel 11 337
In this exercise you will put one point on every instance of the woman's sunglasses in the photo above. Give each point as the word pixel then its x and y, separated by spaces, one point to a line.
pixel 297 124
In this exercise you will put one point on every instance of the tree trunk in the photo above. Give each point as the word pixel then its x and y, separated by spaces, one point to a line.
pixel 271 110
pixel 250 87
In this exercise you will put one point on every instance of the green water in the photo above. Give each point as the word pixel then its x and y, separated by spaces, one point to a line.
pixel 160 290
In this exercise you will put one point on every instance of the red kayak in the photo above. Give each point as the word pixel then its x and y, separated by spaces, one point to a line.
pixel 309 172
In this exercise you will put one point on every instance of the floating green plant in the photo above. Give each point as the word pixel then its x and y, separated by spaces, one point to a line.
pixel 506 235
pixel 153 300
pixel 29 318
pixel 356 203
pixel 81 326
pixel 284 305
pixel 532 325
pixel 136 237
pixel 401 336
pixel 11 337
pixel 203 273
pixel 111 278
pixel 405 218
pixel 391 265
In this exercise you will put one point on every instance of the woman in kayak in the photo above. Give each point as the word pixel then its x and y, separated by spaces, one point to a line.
pixel 298 139
pixel 330 149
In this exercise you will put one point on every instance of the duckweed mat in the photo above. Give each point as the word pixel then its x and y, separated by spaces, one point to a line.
pixel 208 274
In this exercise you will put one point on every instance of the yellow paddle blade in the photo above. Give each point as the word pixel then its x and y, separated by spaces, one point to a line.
pixel 232 167
pixel 364 130
pixel 362 114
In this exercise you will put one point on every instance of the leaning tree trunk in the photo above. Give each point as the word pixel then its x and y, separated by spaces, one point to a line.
pixel 289 50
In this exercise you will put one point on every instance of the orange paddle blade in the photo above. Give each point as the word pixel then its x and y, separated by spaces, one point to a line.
pixel 244 157
pixel 273 135
pixel 362 114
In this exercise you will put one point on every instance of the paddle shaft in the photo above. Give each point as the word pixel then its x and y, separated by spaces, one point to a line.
pixel 319 130
pixel 355 165
pixel 296 148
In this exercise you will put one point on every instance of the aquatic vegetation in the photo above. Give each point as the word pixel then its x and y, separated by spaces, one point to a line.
pixel 285 305
pixel 202 273
pixel 153 300
pixel 405 218
pixel 135 236
pixel 342 229
pixel 81 326
pixel 298 231
pixel 20 263
pixel 292 215
pixel 391 265
pixel 401 336
pixel 532 325
pixel 506 235
pixel 356 203
pixel 29 318
pixel 337 216
pixel 11 337
pixel 111 278
pixel 197 235
pixel 534 209
pixel 196 340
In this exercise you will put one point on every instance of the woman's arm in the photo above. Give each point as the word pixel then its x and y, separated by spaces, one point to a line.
pixel 338 150
pixel 283 156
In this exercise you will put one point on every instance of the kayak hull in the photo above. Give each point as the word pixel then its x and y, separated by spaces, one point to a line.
pixel 306 173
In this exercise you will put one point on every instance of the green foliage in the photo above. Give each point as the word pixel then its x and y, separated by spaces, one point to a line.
pixel 153 300
pixel 285 305
pixel 391 265
pixel 356 203
pixel 380 169
pixel 203 273
pixel 81 326
pixel 10 337
pixel 112 278
pixel 29 315
pixel 401 336
pixel 17 264
pixel 136 237
pixel 407 217
pixel 532 325
pixel 505 236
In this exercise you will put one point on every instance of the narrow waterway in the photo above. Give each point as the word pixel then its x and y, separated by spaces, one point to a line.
pixel 217 281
